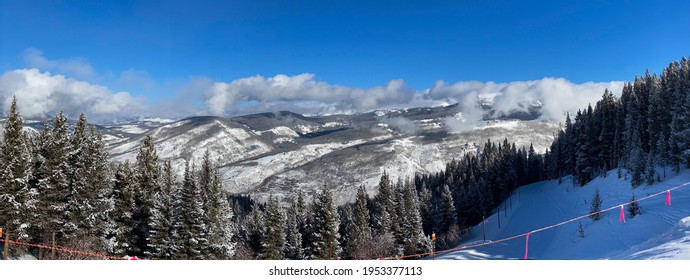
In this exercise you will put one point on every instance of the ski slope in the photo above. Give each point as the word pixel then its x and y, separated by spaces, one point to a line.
pixel 660 232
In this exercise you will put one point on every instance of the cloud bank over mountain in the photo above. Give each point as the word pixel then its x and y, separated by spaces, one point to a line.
pixel 73 85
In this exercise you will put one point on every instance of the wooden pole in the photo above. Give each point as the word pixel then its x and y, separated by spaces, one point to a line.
pixel 433 245
pixel 7 243
pixel 52 253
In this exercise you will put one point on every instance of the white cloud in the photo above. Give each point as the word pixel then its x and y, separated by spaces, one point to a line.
pixel 557 95
pixel 42 95
pixel 402 124
pixel 301 92
pixel 78 68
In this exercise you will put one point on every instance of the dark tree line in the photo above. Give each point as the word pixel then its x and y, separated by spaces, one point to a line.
pixel 645 132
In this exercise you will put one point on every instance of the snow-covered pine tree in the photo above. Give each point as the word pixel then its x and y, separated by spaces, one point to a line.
pixel 161 241
pixel 361 230
pixel 81 200
pixel 99 183
pixel 449 217
pixel 607 108
pixel 255 229
pixel 293 239
pixel 274 241
pixel 223 230
pixel 426 210
pixel 193 240
pixel 595 206
pixel 634 208
pixel 147 179
pixel 346 229
pixel 53 186
pixel 384 204
pixel 415 240
pixel 16 196
pixel 123 197
pixel 326 224
pixel 217 212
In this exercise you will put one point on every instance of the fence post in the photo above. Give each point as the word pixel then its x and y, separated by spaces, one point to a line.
pixel 7 243
pixel 52 252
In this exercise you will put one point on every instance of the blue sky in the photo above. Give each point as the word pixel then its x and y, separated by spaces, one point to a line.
pixel 157 51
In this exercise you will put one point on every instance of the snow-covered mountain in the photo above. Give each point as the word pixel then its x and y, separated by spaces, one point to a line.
pixel 280 152
pixel 659 232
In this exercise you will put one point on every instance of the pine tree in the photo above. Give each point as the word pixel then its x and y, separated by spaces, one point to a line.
pixel 274 241
pixel 414 240
pixel 223 230
pixel 293 243
pixel 361 235
pixel 194 242
pixel 217 211
pixel 326 224
pixel 595 206
pixel 16 196
pixel 634 208
pixel 53 185
pixel 255 228
pixel 99 182
pixel 147 179
pixel 123 196
pixel 81 200
pixel 449 217
pixel 161 224
pixel 385 203
pixel 580 231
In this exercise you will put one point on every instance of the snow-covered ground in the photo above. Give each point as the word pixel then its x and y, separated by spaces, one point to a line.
pixel 660 232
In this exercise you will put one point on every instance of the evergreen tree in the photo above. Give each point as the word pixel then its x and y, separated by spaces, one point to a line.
pixel 580 231
pixel 361 235
pixel 81 200
pixel 99 183
pixel 218 214
pixel 17 198
pixel 414 239
pixel 634 208
pixel 223 229
pixel 161 241
pixel 123 196
pixel 255 228
pixel 147 180
pixel 385 206
pixel 194 242
pixel 53 183
pixel 595 206
pixel 293 242
pixel 449 214
pixel 274 241
pixel 326 224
